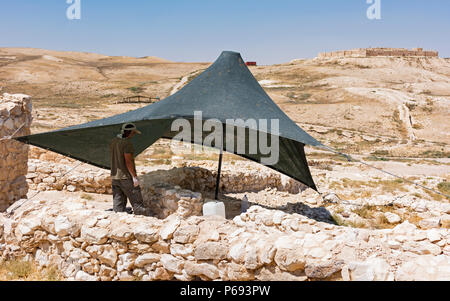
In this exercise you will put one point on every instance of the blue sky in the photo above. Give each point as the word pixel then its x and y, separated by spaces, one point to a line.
pixel 198 30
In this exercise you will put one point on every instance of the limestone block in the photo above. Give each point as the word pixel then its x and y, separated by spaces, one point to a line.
pixel 146 234
pixel 108 256
pixel 425 268
pixel 211 251
pixel 146 259
pixel 169 228
pixel 126 262
pixel 374 269
pixel 121 233
pixel 186 234
pixel 289 254
pixel 94 235
pixel 392 218
pixel 203 269
pixel 83 276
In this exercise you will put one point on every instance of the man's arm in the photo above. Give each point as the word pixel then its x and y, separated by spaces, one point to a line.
pixel 129 161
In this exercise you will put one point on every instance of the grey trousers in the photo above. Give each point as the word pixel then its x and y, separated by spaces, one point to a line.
pixel 123 189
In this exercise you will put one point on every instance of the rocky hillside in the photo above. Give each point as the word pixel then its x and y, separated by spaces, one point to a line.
pixel 395 100
pixel 76 80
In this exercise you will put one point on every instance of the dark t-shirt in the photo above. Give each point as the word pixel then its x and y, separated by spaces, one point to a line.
pixel 119 147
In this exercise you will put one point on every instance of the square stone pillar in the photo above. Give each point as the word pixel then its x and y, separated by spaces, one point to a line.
pixel 15 119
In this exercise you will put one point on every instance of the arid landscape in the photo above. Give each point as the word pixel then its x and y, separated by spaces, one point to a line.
pixel 389 112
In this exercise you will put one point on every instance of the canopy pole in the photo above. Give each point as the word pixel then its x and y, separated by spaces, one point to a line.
pixel 218 175
pixel 216 197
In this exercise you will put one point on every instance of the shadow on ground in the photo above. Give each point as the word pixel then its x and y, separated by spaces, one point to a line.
pixel 233 208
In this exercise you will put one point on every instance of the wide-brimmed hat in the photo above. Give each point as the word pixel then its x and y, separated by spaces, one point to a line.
pixel 130 127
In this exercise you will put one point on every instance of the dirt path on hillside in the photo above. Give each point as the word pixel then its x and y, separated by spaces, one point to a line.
pixel 184 80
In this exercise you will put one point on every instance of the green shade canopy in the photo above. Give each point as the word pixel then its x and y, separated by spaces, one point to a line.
pixel 226 90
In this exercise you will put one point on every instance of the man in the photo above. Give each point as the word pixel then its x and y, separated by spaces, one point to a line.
pixel 125 183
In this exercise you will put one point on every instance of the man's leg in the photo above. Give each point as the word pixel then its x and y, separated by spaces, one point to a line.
pixel 134 194
pixel 119 197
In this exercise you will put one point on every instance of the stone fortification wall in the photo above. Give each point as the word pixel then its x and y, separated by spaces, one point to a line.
pixel 372 52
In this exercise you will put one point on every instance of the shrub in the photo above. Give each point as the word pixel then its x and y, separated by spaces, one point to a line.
pixel 87 197
pixel 380 152
pixel 444 187
pixel 435 154
pixel 18 269
pixel 136 90
pixel 365 211
pixel 304 96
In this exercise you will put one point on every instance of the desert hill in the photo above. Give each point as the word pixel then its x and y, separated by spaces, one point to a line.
pixel 55 78
pixel 393 106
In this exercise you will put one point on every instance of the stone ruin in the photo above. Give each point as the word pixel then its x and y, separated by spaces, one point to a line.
pixel 45 169
pixel 15 119
pixel 373 52
pixel 164 191
pixel 85 241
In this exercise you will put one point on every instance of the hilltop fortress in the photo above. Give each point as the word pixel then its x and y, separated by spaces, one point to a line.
pixel 371 52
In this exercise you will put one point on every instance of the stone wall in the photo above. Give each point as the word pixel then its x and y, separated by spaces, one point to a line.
pixel 15 118
pixel 346 53
pixel 41 154
pixel 371 52
pixel 93 244
pixel 45 175
pixel 165 200
pixel 201 176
